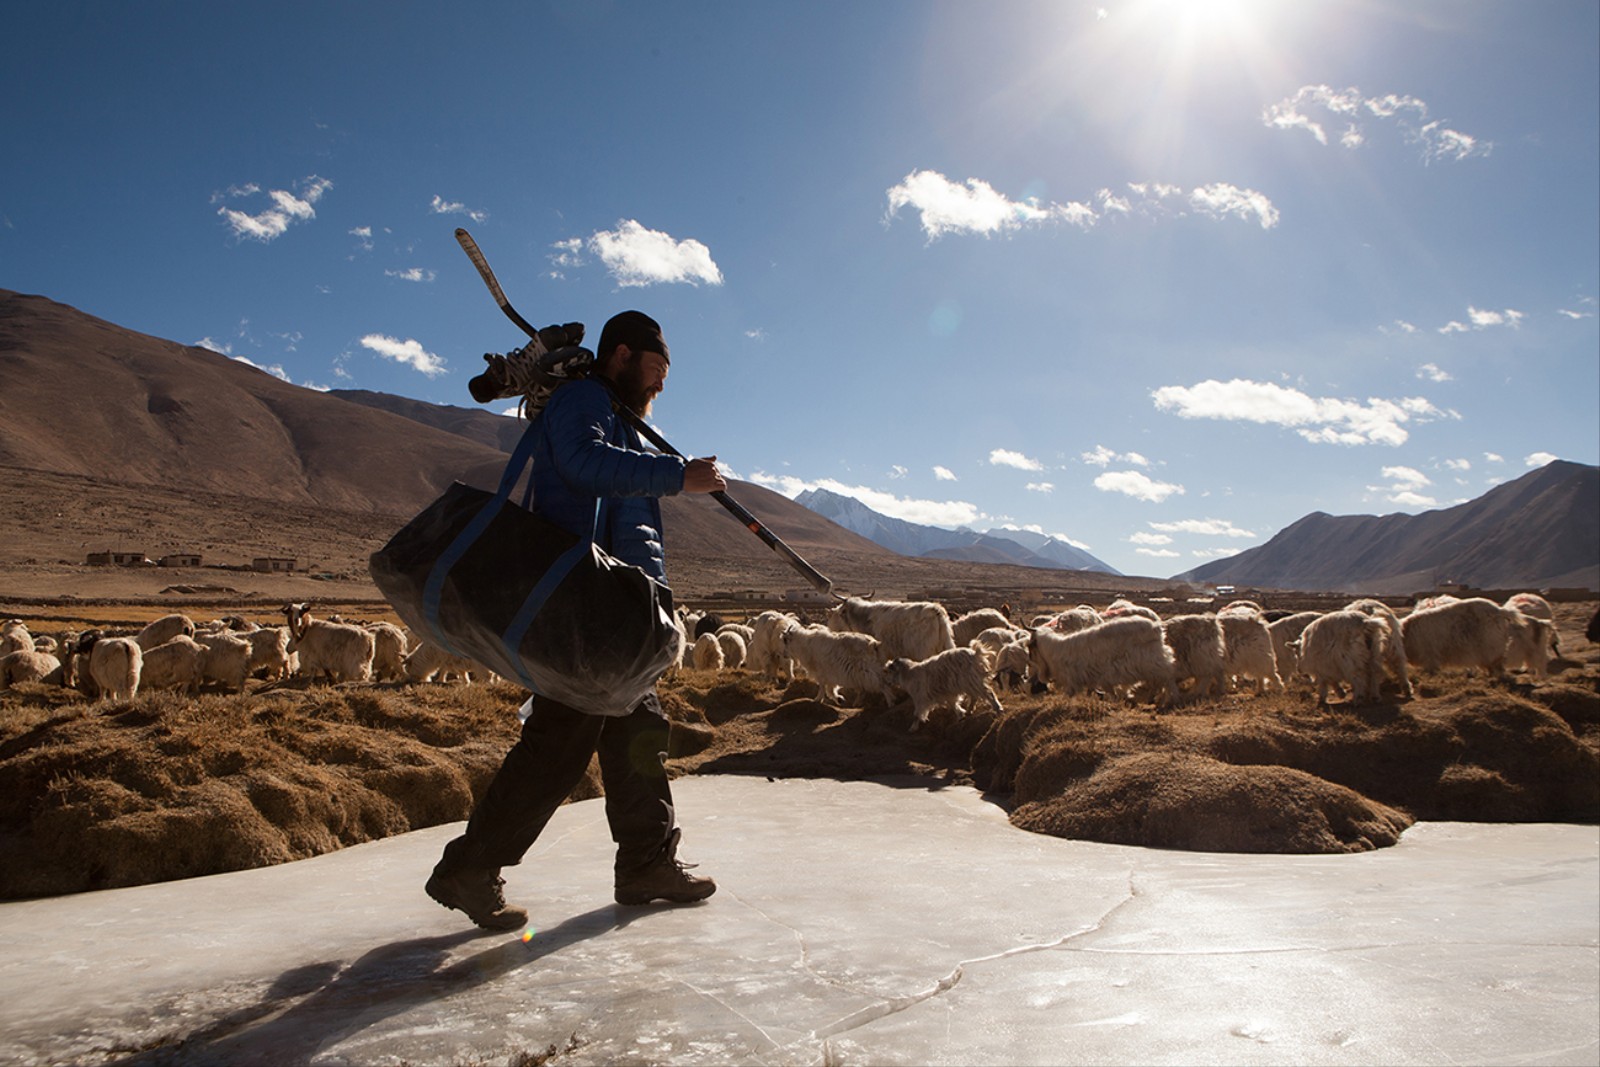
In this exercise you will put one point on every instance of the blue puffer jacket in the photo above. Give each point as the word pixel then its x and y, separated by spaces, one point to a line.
pixel 585 452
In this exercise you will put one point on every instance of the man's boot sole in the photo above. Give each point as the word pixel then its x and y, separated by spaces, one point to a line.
pixel 497 925
pixel 639 900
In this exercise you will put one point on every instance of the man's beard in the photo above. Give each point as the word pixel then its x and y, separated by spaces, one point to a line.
pixel 633 390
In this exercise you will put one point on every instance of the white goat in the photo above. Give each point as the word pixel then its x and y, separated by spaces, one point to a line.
pixel 1470 633
pixel 914 630
pixel 178 664
pixel 14 637
pixel 114 665
pixel 1198 652
pixel 1011 664
pixel 269 651
pixel 973 623
pixel 1285 632
pixel 164 629
pixel 389 648
pixel 942 681
pixel 335 651
pixel 707 653
pixel 1081 617
pixel 1249 648
pixel 1531 644
pixel 1394 646
pixel 837 661
pixel 29 666
pixel 227 659
pixel 1121 608
pixel 430 663
pixel 1119 652
pixel 765 654
pixel 1344 648
pixel 733 647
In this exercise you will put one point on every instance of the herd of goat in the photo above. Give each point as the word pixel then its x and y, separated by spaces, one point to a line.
pixel 1127 650
pixel 896 649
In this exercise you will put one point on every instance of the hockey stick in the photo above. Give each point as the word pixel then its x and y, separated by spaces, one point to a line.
pixel 818 581
pixel 474 253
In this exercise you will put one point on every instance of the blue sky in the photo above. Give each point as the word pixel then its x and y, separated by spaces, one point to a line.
pixel 1158 278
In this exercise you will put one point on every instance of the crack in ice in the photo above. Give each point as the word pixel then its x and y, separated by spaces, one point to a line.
pixel 894 1005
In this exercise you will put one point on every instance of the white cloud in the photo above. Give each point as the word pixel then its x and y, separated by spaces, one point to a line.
pixel 1004 457
pixel 1214 553
pixel 636 256
pixel 1540 459
pixel 221 348
pixel 1040 487
pixel 363 234
pixel 441 206
pixel 928 512
pixel 568 255
pixel 287 208
pixel 1320 420
pixel 274 369
pixel 974 208
pixel 1404 488
pixel 1458 464
pixel 1406 477
pixel 413 274
pixel 1432 373
pixel 1307 107
pixel 1440 142
pixel 1221 199
pixel 944 474
pixel 1137 485
pixel 1204 527
pixel 1159 553
pixel 1143 538
pixel 409 352
pixel 1399 326
pixel 1101 456
pixel 1482 319
pixel 896 472
pixel 977 208
pixel 1493 457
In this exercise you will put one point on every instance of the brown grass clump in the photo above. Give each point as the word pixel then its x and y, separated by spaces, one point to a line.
pixel 1178 800
pixel 121 793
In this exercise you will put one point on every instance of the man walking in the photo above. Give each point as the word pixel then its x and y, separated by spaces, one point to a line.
pixel 586 453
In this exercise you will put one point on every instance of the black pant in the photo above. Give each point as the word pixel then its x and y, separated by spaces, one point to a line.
pixel 549 761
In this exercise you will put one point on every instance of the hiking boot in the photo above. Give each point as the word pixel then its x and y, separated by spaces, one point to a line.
pixel 479 893
pixel 663 878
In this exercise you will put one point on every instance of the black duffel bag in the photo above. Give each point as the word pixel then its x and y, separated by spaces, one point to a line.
pixel 498 584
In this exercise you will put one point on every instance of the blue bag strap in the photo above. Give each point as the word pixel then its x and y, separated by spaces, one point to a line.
pixel 433 589
pixel 540 594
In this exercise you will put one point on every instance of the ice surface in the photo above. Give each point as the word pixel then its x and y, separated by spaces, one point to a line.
pixel 856 922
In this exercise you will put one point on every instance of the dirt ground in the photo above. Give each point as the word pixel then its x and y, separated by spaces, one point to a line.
pixel 101 794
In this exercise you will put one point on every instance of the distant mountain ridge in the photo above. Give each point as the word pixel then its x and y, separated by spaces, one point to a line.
pixel 1540 531
pixel 1019 547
